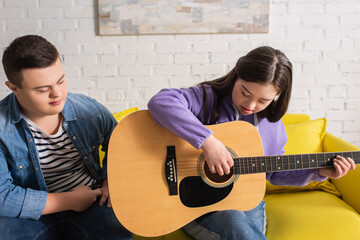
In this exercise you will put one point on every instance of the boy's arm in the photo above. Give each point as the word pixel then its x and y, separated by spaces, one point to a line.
pixel 28 203
pixel 17 201
pixel 77 200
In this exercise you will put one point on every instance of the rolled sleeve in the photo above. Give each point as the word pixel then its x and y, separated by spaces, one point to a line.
pixel 22 203
pixel 16 201
pixel 34 204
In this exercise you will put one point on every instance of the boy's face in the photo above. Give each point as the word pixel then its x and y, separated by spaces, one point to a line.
pixel 43 91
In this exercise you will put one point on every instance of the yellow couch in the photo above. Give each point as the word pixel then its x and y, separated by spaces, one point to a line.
pixel 327 210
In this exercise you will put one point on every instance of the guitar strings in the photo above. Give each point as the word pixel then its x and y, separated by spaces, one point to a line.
pixel 246 165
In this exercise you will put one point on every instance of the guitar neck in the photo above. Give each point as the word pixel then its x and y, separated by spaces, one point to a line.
pixel 258 164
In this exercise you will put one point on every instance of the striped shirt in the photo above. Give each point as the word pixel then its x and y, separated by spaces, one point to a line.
pixel 60 162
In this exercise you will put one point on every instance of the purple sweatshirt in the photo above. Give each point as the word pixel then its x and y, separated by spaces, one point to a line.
pixel 180 111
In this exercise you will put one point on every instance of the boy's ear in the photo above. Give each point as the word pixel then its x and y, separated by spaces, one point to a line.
pixel 11 86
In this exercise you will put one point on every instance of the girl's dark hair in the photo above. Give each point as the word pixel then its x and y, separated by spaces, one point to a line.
pixel 263 65
pixel 30 51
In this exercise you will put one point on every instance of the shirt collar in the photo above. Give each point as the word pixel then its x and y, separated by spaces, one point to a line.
pixel 68 111
pixel 16 115
pixel 15 111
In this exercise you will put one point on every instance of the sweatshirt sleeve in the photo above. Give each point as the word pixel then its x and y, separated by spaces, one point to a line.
pixel 180 111
pixel 298 178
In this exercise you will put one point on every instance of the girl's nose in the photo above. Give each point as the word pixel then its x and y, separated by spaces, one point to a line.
pixel 251 105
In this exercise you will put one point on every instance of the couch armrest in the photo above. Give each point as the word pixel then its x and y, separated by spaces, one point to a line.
pixel 348 185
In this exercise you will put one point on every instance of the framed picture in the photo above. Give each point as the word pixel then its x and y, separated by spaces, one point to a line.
pixel 133 17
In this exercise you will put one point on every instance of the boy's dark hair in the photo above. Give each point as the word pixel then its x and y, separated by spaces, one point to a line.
pixel 26 52
pixel 263 65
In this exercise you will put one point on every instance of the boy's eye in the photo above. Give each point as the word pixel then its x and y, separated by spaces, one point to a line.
pixel 42 90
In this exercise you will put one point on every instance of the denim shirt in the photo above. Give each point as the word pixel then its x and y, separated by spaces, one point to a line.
pixel 23 191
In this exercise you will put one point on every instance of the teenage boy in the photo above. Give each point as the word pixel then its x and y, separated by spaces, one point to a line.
pixel 51 182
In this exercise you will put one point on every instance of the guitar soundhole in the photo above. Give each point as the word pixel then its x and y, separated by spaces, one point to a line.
pixel 216 177
pixel 194 192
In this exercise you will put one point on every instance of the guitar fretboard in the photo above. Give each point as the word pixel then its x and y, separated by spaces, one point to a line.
pixel 258 164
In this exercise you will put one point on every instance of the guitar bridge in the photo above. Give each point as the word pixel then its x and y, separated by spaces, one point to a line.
pixel 170 170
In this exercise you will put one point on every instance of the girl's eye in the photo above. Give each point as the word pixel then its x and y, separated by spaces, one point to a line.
pixel 244 94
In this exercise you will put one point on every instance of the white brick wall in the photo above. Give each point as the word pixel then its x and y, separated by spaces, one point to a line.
pixel 321 38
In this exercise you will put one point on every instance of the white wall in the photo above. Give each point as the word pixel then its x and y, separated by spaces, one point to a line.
pixel 321 38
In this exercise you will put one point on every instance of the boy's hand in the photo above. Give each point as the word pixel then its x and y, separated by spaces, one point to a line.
pixel 79 199
pixel 341 167
pixel 83 197
pixel 105 194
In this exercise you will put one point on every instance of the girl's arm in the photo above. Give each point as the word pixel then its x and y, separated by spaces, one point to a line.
pixel 180 111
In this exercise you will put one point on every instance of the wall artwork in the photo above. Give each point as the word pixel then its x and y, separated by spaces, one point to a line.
pixel 133 17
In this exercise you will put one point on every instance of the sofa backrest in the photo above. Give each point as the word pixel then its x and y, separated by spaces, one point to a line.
pixel 292 118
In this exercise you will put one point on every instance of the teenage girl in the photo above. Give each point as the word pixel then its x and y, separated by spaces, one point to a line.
pixel 256 90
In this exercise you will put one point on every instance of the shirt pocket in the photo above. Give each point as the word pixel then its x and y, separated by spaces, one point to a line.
pixel 22 171
pixel 94 144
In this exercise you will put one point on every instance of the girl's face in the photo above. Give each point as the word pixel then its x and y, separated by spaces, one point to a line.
pixel 249 97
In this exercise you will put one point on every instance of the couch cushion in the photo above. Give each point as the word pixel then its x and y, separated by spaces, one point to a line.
pixel 310 215
pixel 325 186
pixel 301 215
pixel 305 137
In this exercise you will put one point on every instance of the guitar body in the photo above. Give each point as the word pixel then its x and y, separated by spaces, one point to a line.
pixel 138 186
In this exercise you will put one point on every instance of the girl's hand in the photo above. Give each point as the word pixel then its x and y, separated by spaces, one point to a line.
pixel 341 167
pixel 105 194
pixel 217 156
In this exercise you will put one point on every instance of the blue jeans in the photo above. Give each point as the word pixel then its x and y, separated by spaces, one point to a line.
pixel 230 225
pixel 97 222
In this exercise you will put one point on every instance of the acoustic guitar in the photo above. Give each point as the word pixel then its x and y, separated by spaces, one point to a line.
pixel 158 182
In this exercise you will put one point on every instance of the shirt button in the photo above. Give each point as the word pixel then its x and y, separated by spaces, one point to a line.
pixel 65 124
pixel 30 140
pixel 93 147
pixel 74 137
pixel 85 157
pixel 21 166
